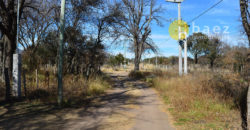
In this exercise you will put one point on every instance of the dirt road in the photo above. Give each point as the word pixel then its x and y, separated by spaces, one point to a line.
pixel 142 104
pixel 130 105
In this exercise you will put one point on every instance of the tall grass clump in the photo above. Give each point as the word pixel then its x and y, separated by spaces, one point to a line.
pixel 203 100
pixel 136 75
pixel 76 88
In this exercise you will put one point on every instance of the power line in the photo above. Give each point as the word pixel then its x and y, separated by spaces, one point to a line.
pixel 205 11
pixel 195 11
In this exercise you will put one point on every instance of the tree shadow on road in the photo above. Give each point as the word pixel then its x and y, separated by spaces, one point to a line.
pixel 88 114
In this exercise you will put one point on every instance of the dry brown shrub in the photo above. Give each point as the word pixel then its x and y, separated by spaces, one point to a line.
pixel 203 96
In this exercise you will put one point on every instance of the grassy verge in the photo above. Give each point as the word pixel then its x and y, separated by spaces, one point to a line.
pixel 76 89
pixel 202 100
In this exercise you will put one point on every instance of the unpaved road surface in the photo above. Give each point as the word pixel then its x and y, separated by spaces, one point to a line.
pixel 130 105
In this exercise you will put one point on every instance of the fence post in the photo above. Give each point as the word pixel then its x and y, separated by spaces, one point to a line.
pixel 47 78
pixel 36 79
pixel 24 83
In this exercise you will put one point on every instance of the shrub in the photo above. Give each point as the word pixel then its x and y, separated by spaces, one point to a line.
pixel 97 86
pixel 136 75
pixel 38 94
pixel 76 88
pixel 226 87
pixel 203 97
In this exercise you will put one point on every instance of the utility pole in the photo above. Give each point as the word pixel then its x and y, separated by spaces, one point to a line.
pixel 180 48
pixel 185 54
pixel 17 64
pixel 179 38
pixel 60 63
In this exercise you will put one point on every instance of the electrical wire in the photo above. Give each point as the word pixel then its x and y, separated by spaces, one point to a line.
pixel 205 11
pixel 194 11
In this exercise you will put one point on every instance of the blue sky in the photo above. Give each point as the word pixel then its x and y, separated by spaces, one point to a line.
pixel 226 16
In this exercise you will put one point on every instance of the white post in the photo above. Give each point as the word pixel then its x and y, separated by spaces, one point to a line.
pixel 17 64
pixel 180 48
pixel 16 89
pixel 185 55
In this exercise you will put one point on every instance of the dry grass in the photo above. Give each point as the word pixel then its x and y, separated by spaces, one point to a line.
pixel 202 100
pixel 136 75
pixel 75 88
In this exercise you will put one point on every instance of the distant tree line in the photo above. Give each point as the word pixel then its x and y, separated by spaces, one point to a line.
pixel 210 51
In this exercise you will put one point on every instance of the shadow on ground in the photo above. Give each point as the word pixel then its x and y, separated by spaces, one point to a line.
pixel 26 116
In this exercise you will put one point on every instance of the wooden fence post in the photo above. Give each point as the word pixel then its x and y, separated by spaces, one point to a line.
pixel 36 79
pixel 24 83
pixel 47 78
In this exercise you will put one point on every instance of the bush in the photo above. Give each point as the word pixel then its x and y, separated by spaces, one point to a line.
pixel 226 87
pixel 76 88
pixel 97 87
pixel 136 75
pixel 213 99
pixel 38 94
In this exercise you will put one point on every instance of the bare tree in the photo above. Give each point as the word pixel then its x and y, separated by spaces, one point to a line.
pixel 245 16
pixel 136 17
pixel 8 24
pixel 34 27
pixel 36 24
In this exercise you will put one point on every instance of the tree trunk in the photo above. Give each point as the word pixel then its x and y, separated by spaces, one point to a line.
pixel 3 55
pixel 137 61
pixel 2 58
pixel 7 84
pixel 245 17
pixel 10 49
pixel 137 65
pixel 196 59
pixel 246 111
pixel 137 56
pixel 212 63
